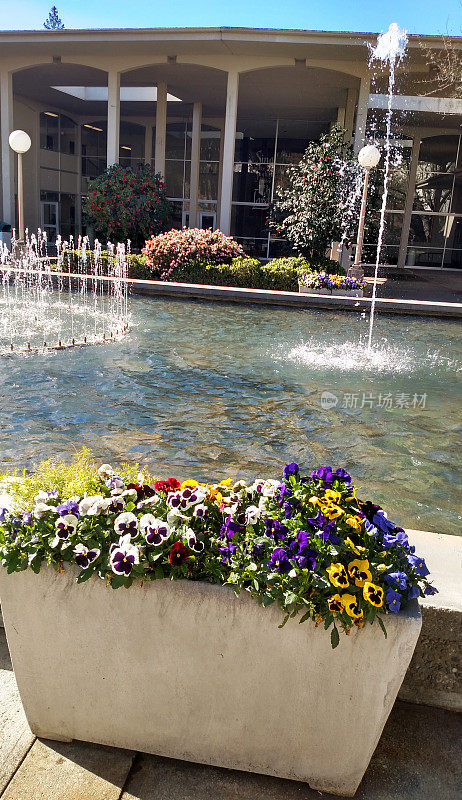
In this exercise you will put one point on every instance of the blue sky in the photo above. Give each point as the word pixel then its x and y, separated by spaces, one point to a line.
pixel 417 16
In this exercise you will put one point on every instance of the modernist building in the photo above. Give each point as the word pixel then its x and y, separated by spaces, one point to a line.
pixel 221 112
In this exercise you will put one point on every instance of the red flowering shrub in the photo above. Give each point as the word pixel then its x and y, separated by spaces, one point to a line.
pixel 177 248
pixel 127 203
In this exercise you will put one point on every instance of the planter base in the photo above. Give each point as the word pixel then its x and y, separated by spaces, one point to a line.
pixel 331 292
pixel 187 670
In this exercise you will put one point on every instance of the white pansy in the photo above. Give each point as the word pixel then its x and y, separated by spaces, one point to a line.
pixel 91 505
pixel 175 517
pixel 154 500
pixel 126 524
pixel 42 508
pixel 252 514
pixel 269 488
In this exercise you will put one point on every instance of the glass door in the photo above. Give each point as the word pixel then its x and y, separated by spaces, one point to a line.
pixel 49 220
pixel 207 219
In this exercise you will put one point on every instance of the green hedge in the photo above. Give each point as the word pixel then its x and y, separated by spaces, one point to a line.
pixel 245 272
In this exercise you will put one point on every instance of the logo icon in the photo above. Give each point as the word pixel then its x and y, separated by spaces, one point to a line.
pixel 328 400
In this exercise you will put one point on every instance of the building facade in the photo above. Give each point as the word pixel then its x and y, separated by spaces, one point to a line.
pixel 221 113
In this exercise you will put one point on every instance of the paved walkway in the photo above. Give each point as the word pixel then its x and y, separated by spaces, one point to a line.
pixel 429 285
pixel 418 758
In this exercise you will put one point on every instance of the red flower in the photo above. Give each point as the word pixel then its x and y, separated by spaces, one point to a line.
pixel 167 486
pixel 178 554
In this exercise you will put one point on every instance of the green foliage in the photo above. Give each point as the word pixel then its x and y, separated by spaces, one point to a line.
pixel 137 267
pixel 309 212
pixel 127 203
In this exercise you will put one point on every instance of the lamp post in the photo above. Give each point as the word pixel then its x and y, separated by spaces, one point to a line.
pixel 368 157
pixel 20 142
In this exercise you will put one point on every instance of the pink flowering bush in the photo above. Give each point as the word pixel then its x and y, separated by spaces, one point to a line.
pixel 175 249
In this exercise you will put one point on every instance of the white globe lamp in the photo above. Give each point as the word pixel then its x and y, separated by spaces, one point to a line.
pixel 368 157
pixel 20 142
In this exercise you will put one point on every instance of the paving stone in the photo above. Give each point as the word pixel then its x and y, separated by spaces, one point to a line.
pixel 15 735
pixel 418 758
pixel 70 771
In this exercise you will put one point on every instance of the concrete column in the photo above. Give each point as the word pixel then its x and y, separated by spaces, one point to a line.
pixel 161 127
pixel 409 202
pixel 350 112
pixel 6 126
pixel 148 143
pixel 78 199
pixel 340 116
pixel 195 163
pixel 361 114
pixel 228 152
pixel 113 117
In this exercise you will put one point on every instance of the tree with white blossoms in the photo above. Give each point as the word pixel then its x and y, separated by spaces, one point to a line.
pixel 53 21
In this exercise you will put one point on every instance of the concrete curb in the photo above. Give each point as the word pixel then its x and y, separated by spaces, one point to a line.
pixel 232 294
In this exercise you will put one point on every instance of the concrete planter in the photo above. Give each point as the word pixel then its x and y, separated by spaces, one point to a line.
pixel 187 670
pixel 331 292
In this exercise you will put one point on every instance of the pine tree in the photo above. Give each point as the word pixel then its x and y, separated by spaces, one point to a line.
pixel 53 22
pixel 309 212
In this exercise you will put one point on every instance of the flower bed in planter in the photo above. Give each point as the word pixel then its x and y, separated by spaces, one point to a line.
pixel 322 283
pixel 186 669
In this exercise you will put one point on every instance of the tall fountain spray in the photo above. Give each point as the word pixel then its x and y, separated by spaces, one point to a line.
pixel 389 50
pixel 78 297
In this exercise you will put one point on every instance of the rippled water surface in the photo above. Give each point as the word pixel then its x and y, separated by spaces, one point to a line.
pixel 208 391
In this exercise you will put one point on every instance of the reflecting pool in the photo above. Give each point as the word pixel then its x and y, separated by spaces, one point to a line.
pixel 208 390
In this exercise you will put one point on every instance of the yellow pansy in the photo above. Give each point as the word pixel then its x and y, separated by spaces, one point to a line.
pixel 313 500
pixel 189 484
pixel 331 494
pixel 373 594
pixel 338 575
pixel 335 604
pixel 354 522
pixel 359 571
pixel 351 606
pixel 331 511
pixel 226 482
pixel 355 547
pixel 353 496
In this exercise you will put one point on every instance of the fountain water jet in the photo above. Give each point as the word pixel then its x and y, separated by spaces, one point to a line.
pixel 45 304
pixel 390 50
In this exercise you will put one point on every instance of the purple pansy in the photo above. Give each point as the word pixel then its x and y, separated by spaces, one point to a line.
pixel 396 579
pixel 393 600
pixel 413 592
pixel 324 474
pixel 430 590
pixel 342 475
pixel 68 507
pixel 290 469
pixel 279 561
pixel 277 530
pixel 154 530
pixel 418 565
pixel 65 526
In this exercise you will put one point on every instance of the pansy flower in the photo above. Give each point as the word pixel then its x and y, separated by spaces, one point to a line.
pixel 338 575
pixel 105 471
pixel 178 554
pixel 66 526
pixel 275 529
pixel 115 482
pixel 359 571
pixel 343 475
pixel 252 515
pixel 123 556
pixel 393 600
pixel 413 592
pixel 92 506
pixel 195 544
pixel 70 506
pixel 200 511
pixel 154 530
pixel 335 604
pixel 290 469
pixel 84 556
pixel 164 487
pixel 351 606
pixel 373 594
pixel 418 565
pixel 396 579
pixel 126 523
pixel 323 474
pixel 41 508
pixel 279 561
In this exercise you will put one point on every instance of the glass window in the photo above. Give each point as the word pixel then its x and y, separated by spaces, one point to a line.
pixel 208 180
pixel 249 221
pixel 293 138
pixel 453 258
pixel 281 178
pixel 49 130
pixel 255 140
pixel 68 136
pixel 438 153
pixel 177 143
pixel 252 183
pixel 427 230
pixel 456 204
pixel 210 143
pixel 433 192
pixel 131 143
